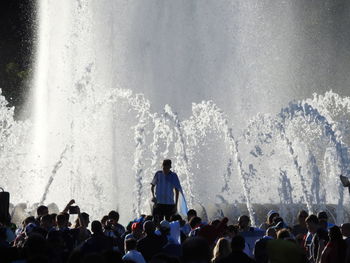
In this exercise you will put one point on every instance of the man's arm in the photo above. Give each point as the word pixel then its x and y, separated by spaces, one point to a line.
pixel 152 190
pixel 176 196
pixel 65 210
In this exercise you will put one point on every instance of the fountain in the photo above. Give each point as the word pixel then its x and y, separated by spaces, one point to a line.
pixel 120 85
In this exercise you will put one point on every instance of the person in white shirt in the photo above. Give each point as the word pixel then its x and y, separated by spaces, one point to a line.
pixel 131 253
pixel 164 184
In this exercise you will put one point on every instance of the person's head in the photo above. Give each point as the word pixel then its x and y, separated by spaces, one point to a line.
pixel 175 217
pixel 243 222
pixel 322 216
pixel 191 213
pixel 84 219
pixel 302 215
pixel 164 227
pixel 196 249
pixel 270 217
pixel 335 234
pixel 53 219
pixel 195 222
pixel 42 210
pixel 130 244
pixel 221 249
pixel 345 229
pixel 96 227
pixel 166 166
pixel 114 216
pixel 28 220
pixel 149 227
pixel 283 234
pixel 61 221
pixel 312 223
pixel 271 232
pixel 237 243
pixel 104 220
pixel 136 229
pixel 46 222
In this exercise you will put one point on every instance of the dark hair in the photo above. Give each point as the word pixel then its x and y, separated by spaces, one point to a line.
pixel 29 219
pixel 237 243
pixel 113 215
pixel 195 221
pixel 191 212
pixel 96 227
pixel 61 219
pixel 104 219
pixel 175 217
pixel 312 219
pixel 41 209
pixel 322 215
pixel 283 233
pixel 130 244
pixel 335 233
pixel 167 162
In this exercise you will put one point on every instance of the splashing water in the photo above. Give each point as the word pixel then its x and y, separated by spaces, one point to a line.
pixel 95 137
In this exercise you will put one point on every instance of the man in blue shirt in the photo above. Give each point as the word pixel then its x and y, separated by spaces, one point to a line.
pixel 164 184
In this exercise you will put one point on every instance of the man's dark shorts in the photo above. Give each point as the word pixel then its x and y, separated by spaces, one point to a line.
pixel 163 210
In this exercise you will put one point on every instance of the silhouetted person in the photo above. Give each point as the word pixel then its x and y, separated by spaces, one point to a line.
pixel 131 253
pixel 237 254
pixel 300 228
pixel 98 242
pixel 151 244
pixel 164 183
pixel 335 250
pixel 260 249
pixel 196 249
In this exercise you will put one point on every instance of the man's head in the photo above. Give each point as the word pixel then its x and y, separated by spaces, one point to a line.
pixel 166 165
pixel 164 227
pixel 84 219
pixel 271 232
pixel 302 215
pixel 130 244
pixel 243 222
pixel 136 229
pixel 195 221
pixel 191 213
pixel 114 216
pixel 322 216
pixel 271 215
pixel 96 227
pixel 42 211
pixel 149 227
pixel 61 221
pixel 283 234
pixel 345 229
pixel 46 222
pixel 312 223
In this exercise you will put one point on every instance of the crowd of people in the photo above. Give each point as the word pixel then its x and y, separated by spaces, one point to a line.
pixel 166 237
pixel 52 238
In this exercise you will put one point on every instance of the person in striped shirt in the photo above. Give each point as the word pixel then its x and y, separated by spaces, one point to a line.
pixel 164 184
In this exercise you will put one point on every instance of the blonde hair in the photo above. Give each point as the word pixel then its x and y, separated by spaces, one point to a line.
pixel 222 249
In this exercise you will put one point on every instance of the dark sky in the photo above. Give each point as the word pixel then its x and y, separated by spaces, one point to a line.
pixel 16 42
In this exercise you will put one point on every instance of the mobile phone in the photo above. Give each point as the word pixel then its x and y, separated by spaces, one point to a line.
pixel 73 210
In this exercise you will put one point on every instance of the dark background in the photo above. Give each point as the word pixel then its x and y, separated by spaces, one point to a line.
pixel 17 27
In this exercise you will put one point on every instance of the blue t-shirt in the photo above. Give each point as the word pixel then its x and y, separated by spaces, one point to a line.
pixel 165 185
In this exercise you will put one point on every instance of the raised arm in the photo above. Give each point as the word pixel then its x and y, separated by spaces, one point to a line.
pixel 65 210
